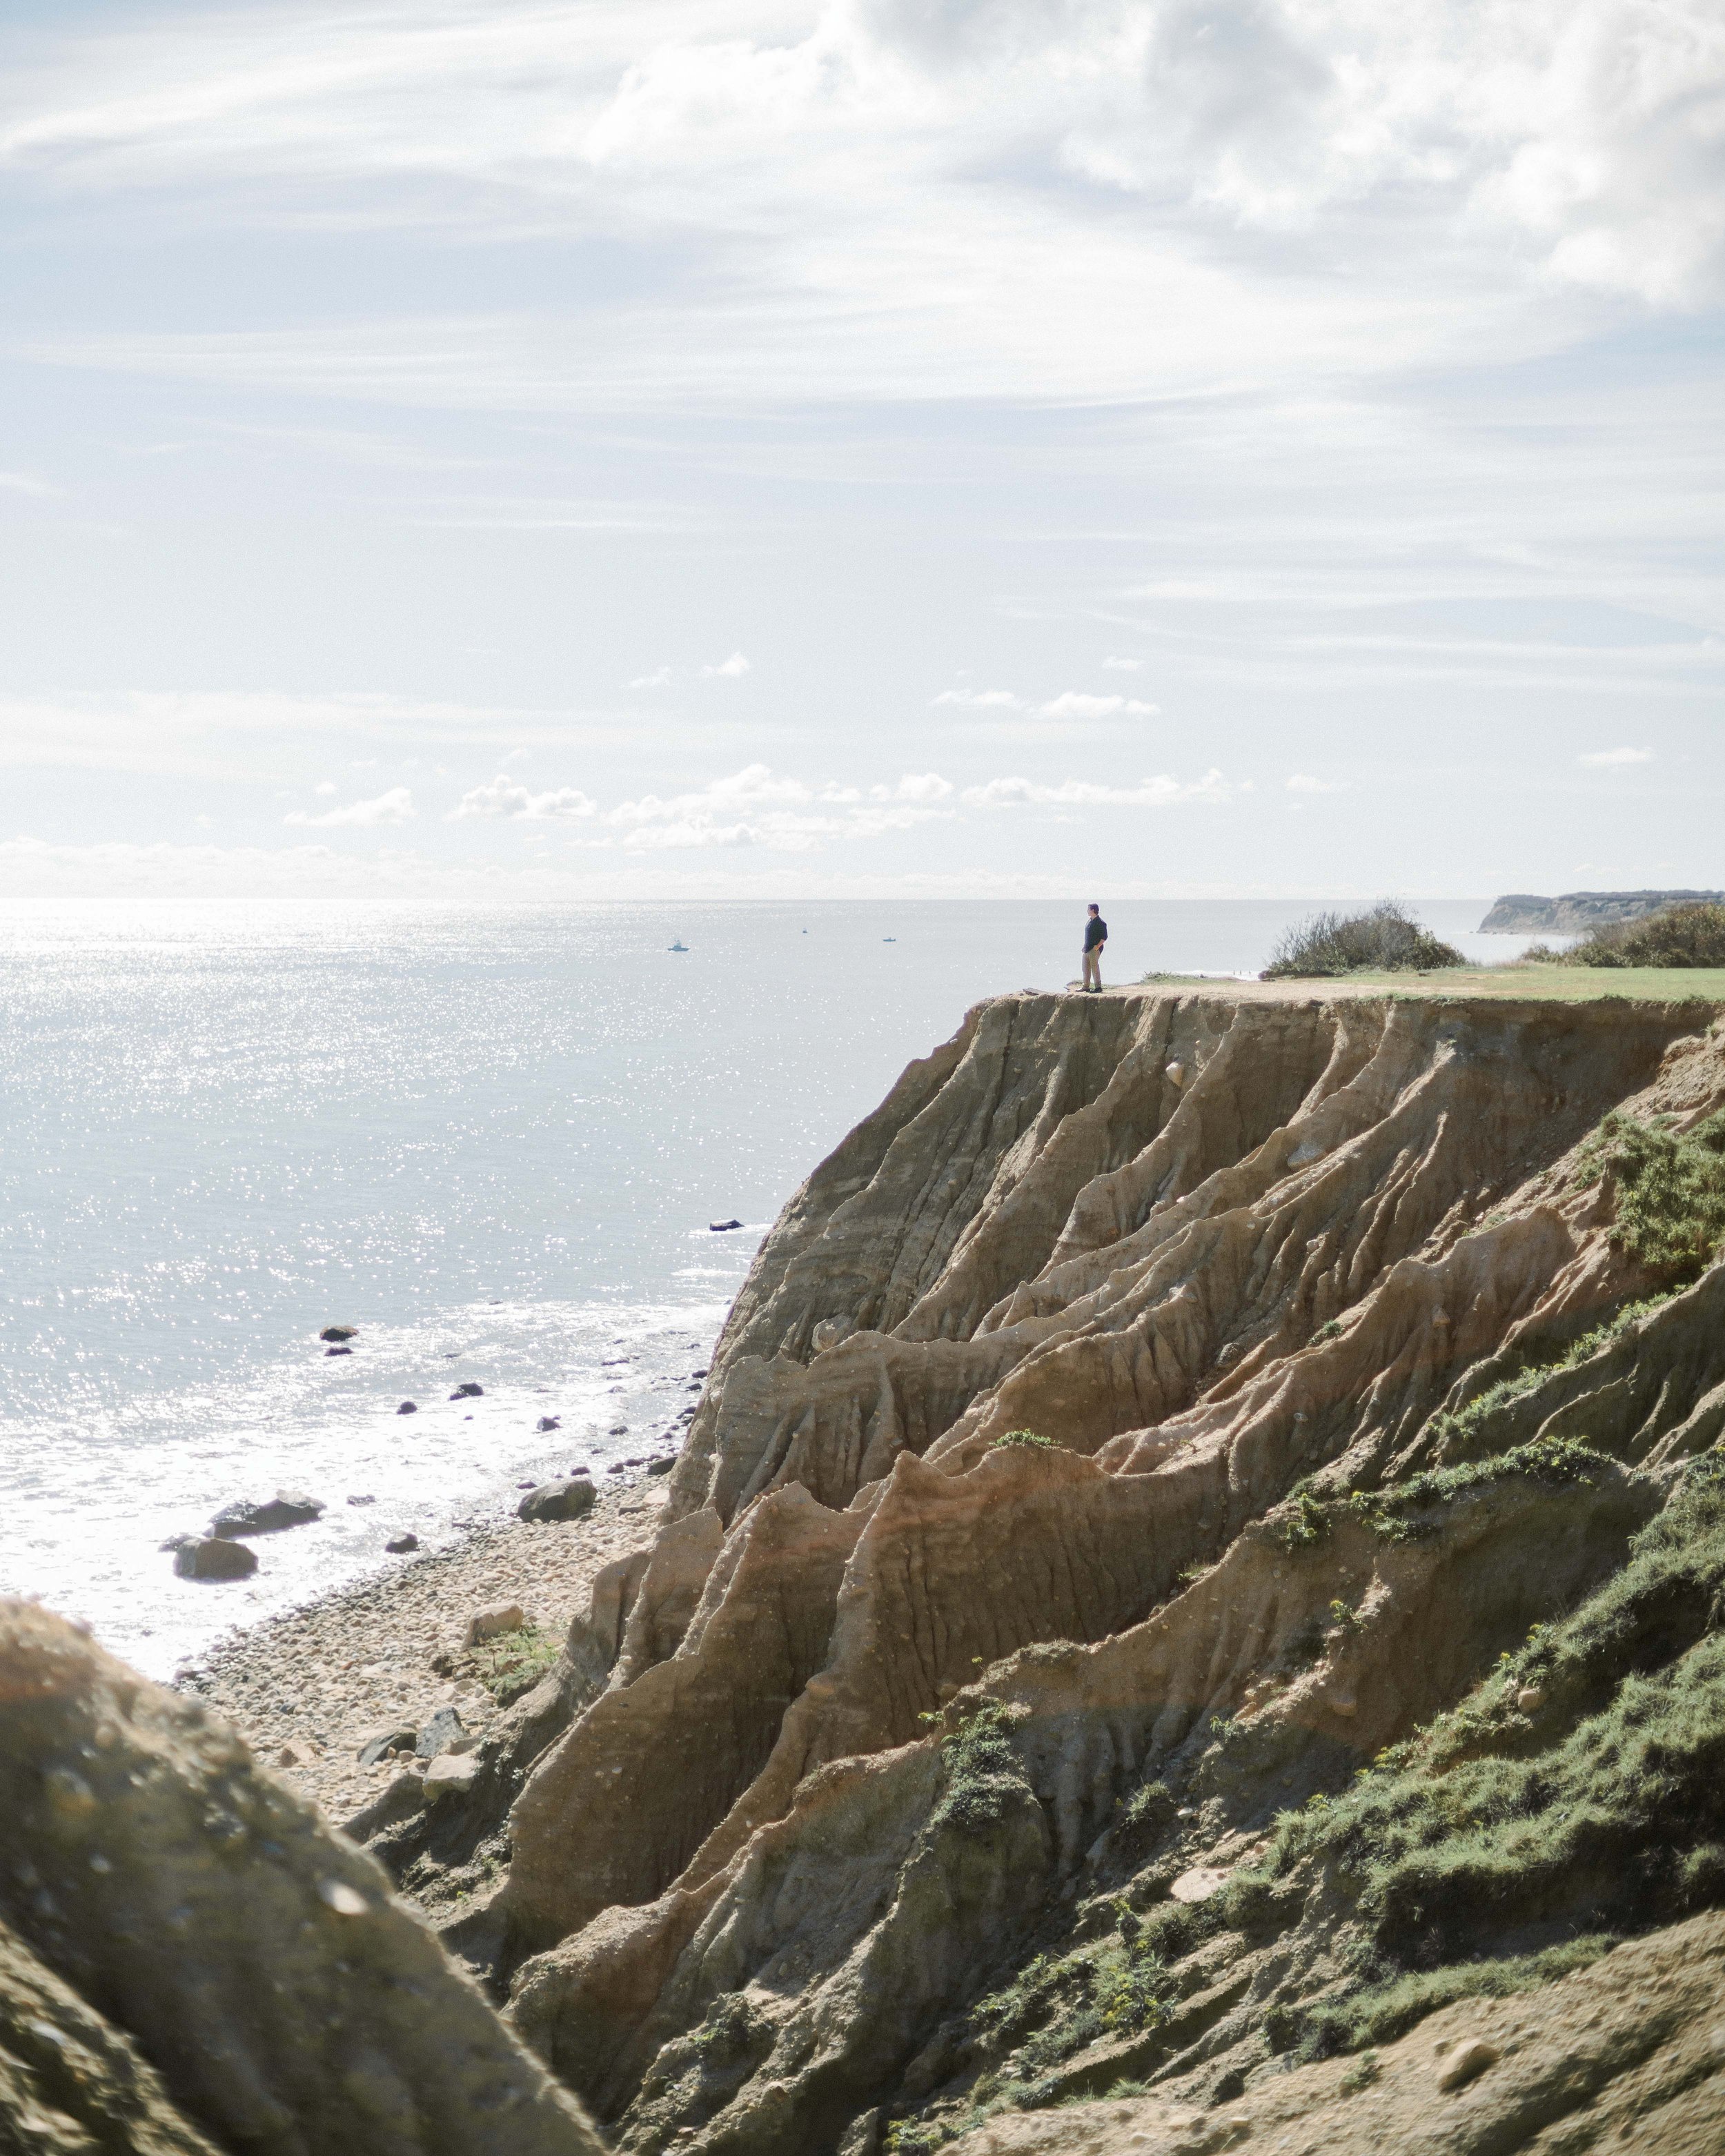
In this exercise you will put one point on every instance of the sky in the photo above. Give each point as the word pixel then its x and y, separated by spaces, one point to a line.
pixel 1137 448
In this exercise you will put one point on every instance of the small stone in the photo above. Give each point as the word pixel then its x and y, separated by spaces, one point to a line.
pixel 618 1430
pixel 338 1351
pixel 468 1391
pixel 1466 2060
pixel 1199 1884
pixel 439 1735
pixel 553 1502
pixel 453 1774
pixel 486 1624
pixel 381 1743
pixel 723 1227
pixel 339 1333
pixel 214 1556
pixel 346 1900
pixel 399 1545
pixel 662 1466
pixel 407 1407
pixel 1530 1699
pixel 362 1500
pixel 550 1422
pixel 296 1753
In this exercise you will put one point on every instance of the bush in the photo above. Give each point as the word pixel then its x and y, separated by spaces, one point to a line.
pixel 1024 1437
pixel 1386 938
pixel 1681 936
pixel 1668 1196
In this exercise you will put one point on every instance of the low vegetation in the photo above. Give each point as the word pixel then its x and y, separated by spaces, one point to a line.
pixel 511 1663
pixel 1024 1437
pixel 1667 1189
pixel 1682 936
pixel 1385 938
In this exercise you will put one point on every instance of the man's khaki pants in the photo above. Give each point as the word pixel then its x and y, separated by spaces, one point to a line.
pixel 1093 967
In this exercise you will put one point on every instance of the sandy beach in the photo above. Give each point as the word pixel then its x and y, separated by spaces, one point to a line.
pixel 307 1689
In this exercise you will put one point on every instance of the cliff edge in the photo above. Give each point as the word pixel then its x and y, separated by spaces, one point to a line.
pixel 1198 1550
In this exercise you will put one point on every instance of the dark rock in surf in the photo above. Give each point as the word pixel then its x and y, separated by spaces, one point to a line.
pixel 214 1556
pixel 339 1333
pixel 469 1391
pixel 338 1351
pixel 723 1227
pixel 286 1509
pixel 550 1422
pixel 407 1407
pixel 555 1502
pixel 399 1545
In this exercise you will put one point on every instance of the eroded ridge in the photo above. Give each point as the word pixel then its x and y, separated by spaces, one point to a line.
pixel 1160 1410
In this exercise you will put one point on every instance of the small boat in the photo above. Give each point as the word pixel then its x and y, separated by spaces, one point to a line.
pixel 888 939
pixel 680 945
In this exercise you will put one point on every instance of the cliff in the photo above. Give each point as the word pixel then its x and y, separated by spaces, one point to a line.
pixel 1195 1579
pixel 1163 1408
pixel 1575 912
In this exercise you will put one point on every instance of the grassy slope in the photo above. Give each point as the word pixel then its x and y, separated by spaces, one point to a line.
pixel 1578 984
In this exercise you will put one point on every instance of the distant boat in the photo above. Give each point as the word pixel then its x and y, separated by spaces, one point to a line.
pixel 888 939
pixel 680 945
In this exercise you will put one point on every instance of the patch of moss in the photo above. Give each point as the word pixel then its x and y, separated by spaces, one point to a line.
pixel 511 1663
pixel 1667 1188
pixel 1024 1437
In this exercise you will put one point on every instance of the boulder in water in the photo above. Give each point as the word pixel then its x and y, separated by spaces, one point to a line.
pixel 339 1333
pixel 554 1501
pixel 399 1545
pixel 214 1556
pixel 723 1227
pixel 469 1391
pixel 287 1508
pixel 409 1407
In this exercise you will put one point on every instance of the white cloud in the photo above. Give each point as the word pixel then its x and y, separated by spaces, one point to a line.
pixel 507 796
pixel 395 807
pixel 1302 782
pixel 731 669
pixel 1124 665
pixel 980 699
pixel 21 483
pixel 661 679
pixel 759 807
pixel 1163 792
pixel 325 786
pixel 1615 759
pixel 1074 704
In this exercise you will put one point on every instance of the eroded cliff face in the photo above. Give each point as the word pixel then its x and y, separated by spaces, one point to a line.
pixel 1160 1407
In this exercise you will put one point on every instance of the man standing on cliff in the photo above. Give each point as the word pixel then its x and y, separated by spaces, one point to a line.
pixel 1095 935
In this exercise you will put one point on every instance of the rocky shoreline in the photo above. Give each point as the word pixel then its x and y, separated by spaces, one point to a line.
pixel 307 1689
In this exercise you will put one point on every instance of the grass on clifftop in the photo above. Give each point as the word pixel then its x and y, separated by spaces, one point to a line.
pixel 1385 938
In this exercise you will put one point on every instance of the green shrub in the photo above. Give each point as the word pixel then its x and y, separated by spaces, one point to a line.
pixel 1683 936
pixel 1024 1437
pixel 1392 1511
pixel 1385 938
pixel 984 1776
pixel 1668 1195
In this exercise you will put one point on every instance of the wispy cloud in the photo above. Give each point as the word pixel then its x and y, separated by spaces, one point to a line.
pixel 395 807
pixel 1615 759
pixel 1124 665
pixel 730 669
pixel 659 679
pixel 507 796
pixel 1076 704
pixel 1163 792
pixel 759 807
pixel 1302 782
pixel 980 699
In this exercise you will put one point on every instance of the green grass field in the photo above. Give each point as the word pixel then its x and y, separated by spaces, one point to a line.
pixel 1578 984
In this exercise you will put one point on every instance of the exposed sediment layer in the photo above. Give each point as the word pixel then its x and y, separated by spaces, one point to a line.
pixel 1220 1254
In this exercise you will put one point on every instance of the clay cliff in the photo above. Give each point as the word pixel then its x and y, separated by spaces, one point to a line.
pixel 1194 1602
pixel 1174 1444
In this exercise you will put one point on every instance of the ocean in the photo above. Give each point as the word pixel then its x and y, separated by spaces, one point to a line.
pixel 494 1141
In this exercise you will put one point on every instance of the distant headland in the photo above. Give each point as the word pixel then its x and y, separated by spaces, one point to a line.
pixel 1573 912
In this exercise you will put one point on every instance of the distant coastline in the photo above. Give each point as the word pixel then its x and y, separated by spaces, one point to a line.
pixel 1573 912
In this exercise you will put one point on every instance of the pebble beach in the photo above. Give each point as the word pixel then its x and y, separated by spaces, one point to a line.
pixel 307 1689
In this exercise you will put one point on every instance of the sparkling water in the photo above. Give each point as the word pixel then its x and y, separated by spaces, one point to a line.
pixel 493 1141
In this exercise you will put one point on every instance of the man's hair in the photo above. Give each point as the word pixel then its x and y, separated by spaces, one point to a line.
pixel 1095 908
